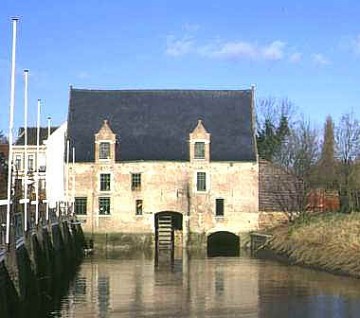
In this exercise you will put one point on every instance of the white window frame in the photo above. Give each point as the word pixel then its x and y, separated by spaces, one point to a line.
pixel 111 181
pixel 207 180
pixel 104 197
pixel 104 142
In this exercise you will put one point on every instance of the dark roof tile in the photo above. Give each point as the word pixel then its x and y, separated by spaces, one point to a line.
pixel 155 124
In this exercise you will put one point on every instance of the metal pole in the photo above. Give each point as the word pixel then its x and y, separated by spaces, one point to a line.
pixel 67 175
pixel 49 126
pixel 26 168
pixel 73 180
pixel 47 177
pixel 37 162
pixel 11 126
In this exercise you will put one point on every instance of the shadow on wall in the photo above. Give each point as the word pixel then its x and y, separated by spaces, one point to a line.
pixel 223 244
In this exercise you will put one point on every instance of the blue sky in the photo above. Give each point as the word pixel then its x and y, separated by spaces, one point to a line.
pixel 307 51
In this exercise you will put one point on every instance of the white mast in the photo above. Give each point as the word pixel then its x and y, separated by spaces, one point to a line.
pixel 67 175
pixel 26 168
pixel 11 126
pixel 37 162
pixel 47 199
pixel 73 180
pixel 49 126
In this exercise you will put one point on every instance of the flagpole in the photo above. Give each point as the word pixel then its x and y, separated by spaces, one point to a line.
pixel 11 127
pixel 26 167
pixel 73 180
pixel 37 162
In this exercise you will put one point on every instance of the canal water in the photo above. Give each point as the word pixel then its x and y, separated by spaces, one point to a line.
pixel 198 286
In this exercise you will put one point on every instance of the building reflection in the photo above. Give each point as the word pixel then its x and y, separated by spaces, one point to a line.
pixel 207 287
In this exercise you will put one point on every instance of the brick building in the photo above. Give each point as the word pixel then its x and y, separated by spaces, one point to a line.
pixel 147 156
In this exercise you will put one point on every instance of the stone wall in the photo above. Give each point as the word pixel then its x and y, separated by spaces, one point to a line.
pixel 169 186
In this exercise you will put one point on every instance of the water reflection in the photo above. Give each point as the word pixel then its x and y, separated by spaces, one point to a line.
pixel 206 287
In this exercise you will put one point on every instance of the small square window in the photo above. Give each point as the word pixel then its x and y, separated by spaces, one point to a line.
pixel 139 207
pixel 136 181
pixel 104 150
pixel 201 181
pixel 199 152
pixel 18 162
pixel 80 205
pixel 104 206
pixel 105 182
pixel 219 207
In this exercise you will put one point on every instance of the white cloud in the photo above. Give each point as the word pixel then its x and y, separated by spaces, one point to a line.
pixel 245 50
pixel 232 50
pixel 295 57
pixel 320 59
pixel 274 51
pixel 178 47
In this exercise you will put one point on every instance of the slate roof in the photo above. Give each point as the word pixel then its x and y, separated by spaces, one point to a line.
pixel 32 135
pixel 155 124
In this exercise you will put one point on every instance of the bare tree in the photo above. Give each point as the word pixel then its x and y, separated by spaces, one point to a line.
pixel 285 186
pixel 348 151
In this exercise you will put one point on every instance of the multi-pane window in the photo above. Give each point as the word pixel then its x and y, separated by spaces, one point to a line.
pixel 199 150
pixel 31 163
pixel 104 150
pixel 80 205
pixel 105 182
pixel 139 207
pixel 219 209
pixel 18 162
pixel 135 181
pixel 104 206
pixel 201 181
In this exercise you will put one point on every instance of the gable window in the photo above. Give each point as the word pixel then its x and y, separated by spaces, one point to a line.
pixel 80 205
pixel 105 182
pixel 201 181
pixel 104 150
pixel 199 152
pixel 139 207
pixel 18 162
pixel 136 181
pixel 219 209
pixel 104 206
pixel 31 163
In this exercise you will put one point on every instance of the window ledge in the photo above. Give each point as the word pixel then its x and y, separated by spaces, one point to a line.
pixel 104 215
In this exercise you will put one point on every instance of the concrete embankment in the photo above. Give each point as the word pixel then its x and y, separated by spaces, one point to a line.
pixel 329 242
pixel 35 271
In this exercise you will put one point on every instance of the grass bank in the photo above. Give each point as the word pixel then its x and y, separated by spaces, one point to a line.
pixel 328 241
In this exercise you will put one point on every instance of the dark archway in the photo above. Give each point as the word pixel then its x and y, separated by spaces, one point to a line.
pixel 168 229
pixel 176 219
pixel 223 244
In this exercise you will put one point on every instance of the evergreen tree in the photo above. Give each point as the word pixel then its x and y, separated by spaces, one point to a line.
pixel 326 168
pixel 270 138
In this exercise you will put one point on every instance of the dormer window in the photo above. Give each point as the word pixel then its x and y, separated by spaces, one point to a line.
pixel 199 150
pixel 104 150
pixel 199 142
pixel 105 141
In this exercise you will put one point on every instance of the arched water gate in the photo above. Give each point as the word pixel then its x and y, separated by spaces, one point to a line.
pixel 223 243
pixel 168 230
